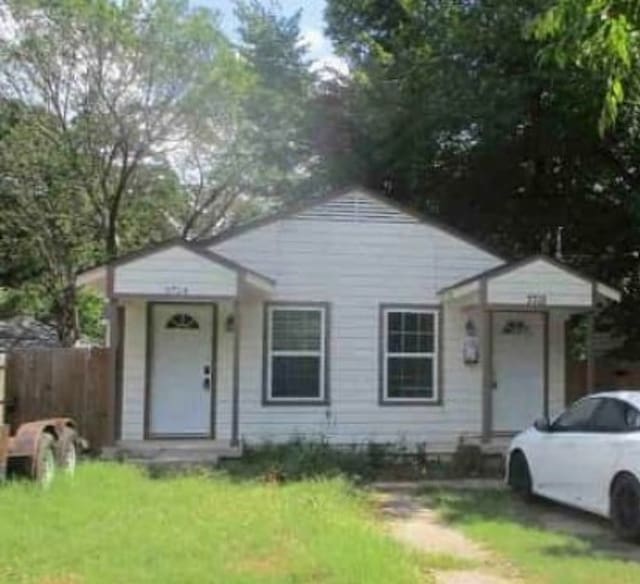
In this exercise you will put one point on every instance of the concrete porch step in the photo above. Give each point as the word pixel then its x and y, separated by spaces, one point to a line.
pixel 172 452
pixel 498 445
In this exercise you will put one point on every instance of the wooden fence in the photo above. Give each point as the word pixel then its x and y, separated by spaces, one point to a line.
pixel 609 374
pixel 75 383
pixel 3 359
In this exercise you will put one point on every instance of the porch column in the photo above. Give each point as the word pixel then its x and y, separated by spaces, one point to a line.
pixel 236 374
pixel 114 346
pixel 589 348
pixel 545 362
pixel 486 356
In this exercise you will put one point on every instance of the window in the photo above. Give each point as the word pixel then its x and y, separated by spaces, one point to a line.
pixel 616 416
pixel 578 417
pixel 409 355
pixel 182 321
pixel 296 353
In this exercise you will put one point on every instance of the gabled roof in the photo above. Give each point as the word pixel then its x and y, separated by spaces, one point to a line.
pixel 486 275
pixel 100 271
pixel 290 210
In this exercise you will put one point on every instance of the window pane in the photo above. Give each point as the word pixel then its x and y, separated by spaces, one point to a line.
pixel 632 419
pixel 182 321
pixel 395 343
pixel 611 416
pixel 410 332
pixel 295 377
pixel 296 330
pixel 578 417
pixel 410 377
pixel 395 321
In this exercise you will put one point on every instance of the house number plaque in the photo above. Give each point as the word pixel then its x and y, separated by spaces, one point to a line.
pixel 534 300
pixel 176 290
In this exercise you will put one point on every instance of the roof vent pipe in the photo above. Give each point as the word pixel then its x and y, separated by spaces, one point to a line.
pixel 559 230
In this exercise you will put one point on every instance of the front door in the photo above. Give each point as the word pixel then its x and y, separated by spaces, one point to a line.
pixel 518 392
pixel 182 371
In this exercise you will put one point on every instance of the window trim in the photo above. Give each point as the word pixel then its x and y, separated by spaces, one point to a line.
pixel 383 355
pixel 267 398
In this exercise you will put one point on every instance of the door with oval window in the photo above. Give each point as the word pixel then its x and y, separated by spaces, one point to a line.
pixel 182 370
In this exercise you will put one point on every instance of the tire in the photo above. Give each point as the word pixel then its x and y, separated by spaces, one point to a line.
pixel 519 474
pixel 625 507
pixel 44 467
pixel 66 450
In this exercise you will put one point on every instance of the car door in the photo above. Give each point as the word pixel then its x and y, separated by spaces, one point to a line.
pixel 560 449
pixel 599 452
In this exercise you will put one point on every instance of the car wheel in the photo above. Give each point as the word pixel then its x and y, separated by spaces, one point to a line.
pixel 625 507
pixel 66 451
pixel 44 467
pixel 519 474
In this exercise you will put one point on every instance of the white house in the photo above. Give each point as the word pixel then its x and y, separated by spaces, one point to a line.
pixel 345 318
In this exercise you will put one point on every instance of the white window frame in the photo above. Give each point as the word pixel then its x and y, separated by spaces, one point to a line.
pixel 322 353
pixel 433 355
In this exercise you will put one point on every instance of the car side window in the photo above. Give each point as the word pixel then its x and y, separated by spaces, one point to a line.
pixel 632 419
pixel 613 416
pixel 578 417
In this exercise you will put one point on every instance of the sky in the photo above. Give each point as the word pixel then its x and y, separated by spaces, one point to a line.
pixel 312 26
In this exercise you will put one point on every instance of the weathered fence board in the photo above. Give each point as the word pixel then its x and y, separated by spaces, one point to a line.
pixel 609 375
pixel 75 383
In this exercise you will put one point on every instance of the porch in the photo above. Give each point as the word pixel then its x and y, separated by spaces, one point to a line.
pixel 515 317
pixel 175 322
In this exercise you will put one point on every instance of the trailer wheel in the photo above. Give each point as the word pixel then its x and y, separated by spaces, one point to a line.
pixel 66 450
pixel 44 467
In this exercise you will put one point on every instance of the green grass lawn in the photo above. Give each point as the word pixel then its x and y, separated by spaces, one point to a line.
pixel 523 536
pixel 112 524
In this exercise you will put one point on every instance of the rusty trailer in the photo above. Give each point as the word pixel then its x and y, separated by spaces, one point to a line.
pixel 36 450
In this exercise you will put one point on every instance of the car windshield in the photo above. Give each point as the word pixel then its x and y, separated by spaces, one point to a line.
pixel 577 417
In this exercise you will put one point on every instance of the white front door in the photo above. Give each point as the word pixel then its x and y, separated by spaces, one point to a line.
pixel 518 393
pixel 181 369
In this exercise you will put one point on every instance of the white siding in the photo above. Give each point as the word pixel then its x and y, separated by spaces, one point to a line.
pixel 539 278
pixel 176 271
pixel 133 379
pixel 224 374
pixel 355 266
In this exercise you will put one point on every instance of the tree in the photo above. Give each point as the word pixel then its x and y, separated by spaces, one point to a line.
pixel 279 104
pixel 602 36
pixel 124 82
pixel 44 223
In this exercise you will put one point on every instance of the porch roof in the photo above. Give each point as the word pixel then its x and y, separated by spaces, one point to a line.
pixel 535 281
pixel 175 269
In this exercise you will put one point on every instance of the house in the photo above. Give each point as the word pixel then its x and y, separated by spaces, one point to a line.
pixel 345 318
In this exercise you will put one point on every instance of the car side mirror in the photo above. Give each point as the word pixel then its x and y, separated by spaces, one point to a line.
pixel 542 424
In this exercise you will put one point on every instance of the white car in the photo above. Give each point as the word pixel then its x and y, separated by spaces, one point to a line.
pixel 588 457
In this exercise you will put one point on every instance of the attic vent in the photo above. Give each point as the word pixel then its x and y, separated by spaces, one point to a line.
pixel 356 209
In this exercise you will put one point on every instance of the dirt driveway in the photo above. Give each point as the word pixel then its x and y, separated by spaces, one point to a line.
pixel 413 520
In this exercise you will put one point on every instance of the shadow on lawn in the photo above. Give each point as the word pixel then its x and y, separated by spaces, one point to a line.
pixel 556 530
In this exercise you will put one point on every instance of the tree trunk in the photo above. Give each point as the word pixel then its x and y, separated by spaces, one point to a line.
pixel 111 238
pixel 65 314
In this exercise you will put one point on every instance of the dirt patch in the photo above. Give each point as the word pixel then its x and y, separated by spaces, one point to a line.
pixel 419 527
pixel 586 527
